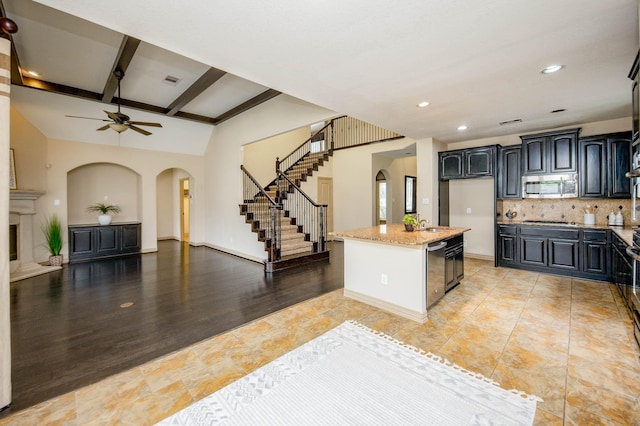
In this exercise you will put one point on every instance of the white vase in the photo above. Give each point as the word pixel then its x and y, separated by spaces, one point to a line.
pixel 104 219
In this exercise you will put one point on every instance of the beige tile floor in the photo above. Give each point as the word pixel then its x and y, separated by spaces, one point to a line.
pixel 566 340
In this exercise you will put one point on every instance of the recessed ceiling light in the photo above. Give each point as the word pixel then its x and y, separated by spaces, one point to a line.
pixel 422 104
pixel 551 69
pixel 462 127
pixel 33 73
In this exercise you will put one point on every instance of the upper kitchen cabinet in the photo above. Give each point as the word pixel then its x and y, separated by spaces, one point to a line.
pixel 604 160
pixel 619 150
pixel 510 172
pixel 550 153
pixel 467 163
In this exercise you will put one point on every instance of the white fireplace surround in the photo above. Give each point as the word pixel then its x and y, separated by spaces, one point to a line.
pixel 21 213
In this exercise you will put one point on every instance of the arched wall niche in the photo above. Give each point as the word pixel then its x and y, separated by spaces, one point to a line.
pixel 168 202
pixel 107 183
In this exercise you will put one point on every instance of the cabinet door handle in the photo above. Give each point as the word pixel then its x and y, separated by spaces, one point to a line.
pixel 634 253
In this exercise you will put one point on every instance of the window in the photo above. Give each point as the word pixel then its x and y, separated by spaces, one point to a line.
pixel 381 184
pixel 409 194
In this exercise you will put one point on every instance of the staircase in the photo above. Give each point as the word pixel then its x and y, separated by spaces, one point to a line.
pixel 292 226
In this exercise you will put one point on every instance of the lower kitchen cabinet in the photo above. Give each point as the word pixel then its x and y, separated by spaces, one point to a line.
pixel 453 262
pixel 595 256
pixel 87 242
pixel 565 251
pixel 507 245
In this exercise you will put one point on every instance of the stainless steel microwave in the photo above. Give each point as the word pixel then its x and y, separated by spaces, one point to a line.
pixel 550 186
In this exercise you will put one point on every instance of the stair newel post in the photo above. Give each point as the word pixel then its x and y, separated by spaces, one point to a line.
pixel 321 238
pixel 273 247
pixel 277 165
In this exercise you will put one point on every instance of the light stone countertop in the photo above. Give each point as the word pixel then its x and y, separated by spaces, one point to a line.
pixel 396 234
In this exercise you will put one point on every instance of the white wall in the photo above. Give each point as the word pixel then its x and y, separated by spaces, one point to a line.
pixel 477 195
pixel 165 206
pixel 65 156
pixel 102 183
pixel 226 229
pixel 260 157
pixel 354 173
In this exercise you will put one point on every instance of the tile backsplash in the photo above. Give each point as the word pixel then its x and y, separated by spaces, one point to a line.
pixel 569 210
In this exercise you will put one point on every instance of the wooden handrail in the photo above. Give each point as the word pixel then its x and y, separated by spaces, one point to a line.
pixel 301 191
pixel 246 172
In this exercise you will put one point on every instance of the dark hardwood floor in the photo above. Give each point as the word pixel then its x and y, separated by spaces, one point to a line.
pixel 68 328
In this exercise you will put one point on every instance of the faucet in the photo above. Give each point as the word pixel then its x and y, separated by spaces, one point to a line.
pixel 423 223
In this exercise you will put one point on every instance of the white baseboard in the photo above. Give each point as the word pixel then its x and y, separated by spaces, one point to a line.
pixel 389 307
pixel 235 253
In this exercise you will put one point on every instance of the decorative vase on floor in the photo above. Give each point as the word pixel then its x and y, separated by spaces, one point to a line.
pixel 55 260
pixel 104 219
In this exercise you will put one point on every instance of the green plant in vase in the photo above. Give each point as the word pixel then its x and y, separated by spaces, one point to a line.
pixel 105 210
pixel 409 221
pixel 52 229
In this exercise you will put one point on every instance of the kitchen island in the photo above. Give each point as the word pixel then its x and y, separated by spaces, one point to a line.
pixel 387 267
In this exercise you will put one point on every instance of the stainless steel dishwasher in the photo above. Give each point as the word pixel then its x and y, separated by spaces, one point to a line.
pixel 435 272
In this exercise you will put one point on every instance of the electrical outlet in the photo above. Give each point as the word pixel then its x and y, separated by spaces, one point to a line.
pixel 468 210
pixel 383 279
pixel 425 201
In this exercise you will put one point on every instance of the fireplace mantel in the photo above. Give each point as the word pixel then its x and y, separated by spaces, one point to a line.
pixel 21 194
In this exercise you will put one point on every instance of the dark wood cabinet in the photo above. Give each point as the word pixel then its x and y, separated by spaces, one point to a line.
pixel 593 170
pixel 510 172
pixel 621 267
pixel 604 160
pixel 550 153
pixel 467 163
pixel 451 165
pixel 564 254
pixel 567 251
pixel 507 245
pixel 619 150
pixel 87 242
pixel 533 250
pixel 453 262
pixel 479 162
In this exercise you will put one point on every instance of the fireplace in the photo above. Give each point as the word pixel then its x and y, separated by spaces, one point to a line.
pixel 22 210
pixel 13 242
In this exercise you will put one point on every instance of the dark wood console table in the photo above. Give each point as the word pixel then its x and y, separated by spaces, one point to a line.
pixel 88 242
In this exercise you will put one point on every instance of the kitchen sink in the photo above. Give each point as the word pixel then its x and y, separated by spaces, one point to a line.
pixel 433 230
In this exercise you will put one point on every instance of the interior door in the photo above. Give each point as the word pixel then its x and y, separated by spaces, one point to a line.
pixel 325 196
pixel 185 198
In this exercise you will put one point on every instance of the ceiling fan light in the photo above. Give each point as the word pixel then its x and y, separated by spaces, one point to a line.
pixel 118 127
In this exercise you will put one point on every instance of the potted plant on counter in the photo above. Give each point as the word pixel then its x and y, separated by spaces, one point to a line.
pixel 105 210
pixel 52 230
pixel 409 221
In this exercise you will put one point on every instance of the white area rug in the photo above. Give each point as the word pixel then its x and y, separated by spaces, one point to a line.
pixel 354 375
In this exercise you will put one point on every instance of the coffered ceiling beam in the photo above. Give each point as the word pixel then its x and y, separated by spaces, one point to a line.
pixel 128 48
pixel 245 106
pixel 203 83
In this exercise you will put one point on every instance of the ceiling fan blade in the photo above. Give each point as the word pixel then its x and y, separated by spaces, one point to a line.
pixel 113 116
pixel 139 130
pixel 103 127
pixel 144 123
pixel 86 118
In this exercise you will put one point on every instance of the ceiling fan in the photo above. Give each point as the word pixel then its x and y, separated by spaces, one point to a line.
pixel 119 121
